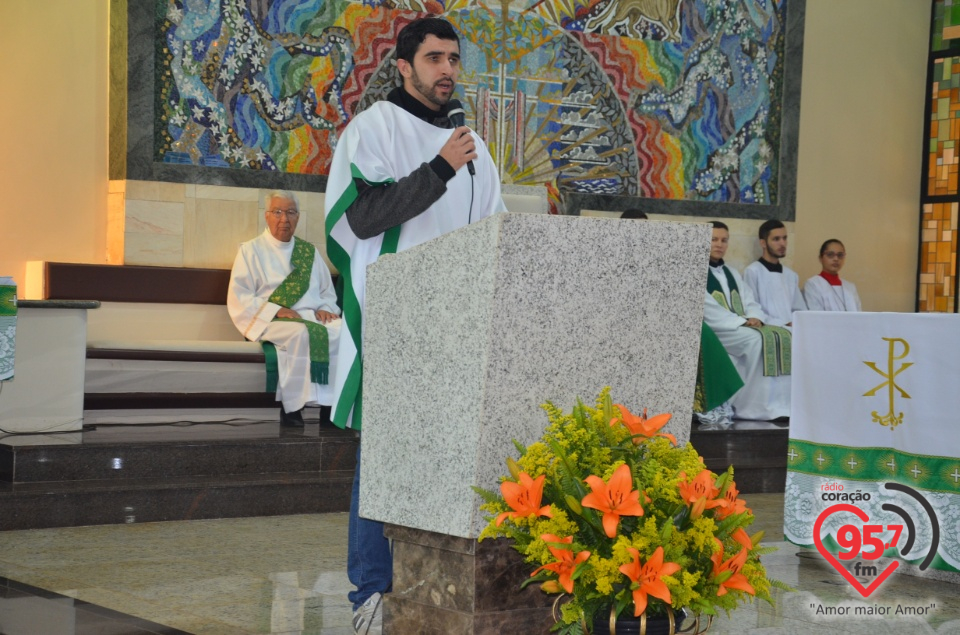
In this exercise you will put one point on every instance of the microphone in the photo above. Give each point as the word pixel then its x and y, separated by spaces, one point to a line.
pixel 458 117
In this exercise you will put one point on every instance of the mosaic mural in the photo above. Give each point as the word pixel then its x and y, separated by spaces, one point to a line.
pixel 672 99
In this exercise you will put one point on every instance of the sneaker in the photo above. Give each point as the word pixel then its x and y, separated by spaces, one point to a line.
pixel 368 619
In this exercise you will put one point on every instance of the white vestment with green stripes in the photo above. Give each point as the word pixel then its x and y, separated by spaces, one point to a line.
pixel 382 145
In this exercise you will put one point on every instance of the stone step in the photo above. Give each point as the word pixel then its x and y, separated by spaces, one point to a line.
pixel 107 460
pixel 79 503
pixel 149 473
pixel 758 456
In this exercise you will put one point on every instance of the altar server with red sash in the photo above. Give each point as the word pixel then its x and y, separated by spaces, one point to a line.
pixel 826 291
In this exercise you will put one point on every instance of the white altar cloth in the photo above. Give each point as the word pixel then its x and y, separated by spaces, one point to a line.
pixel 876 399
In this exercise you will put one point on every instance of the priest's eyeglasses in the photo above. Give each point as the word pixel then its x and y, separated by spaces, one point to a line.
pixel 835 254
pixel 289 213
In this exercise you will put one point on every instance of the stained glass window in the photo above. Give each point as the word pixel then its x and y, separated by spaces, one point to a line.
pixel 940 198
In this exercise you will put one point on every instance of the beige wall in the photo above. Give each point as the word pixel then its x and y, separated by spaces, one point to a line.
pixel 53 163
pixel 861 128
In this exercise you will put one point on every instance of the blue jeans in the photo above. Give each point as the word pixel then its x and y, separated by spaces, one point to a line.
pixel 369 561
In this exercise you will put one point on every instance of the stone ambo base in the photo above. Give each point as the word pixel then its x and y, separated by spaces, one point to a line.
pixel 444 584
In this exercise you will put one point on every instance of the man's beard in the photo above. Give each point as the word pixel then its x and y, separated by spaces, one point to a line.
pixel 430 92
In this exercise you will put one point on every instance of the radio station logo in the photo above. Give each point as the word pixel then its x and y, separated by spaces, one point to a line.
pixel 863 540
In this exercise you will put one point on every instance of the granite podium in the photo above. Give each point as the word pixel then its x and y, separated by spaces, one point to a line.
pixel 465 336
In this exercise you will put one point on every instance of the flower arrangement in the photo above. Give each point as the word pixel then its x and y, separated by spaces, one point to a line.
pixel 613 514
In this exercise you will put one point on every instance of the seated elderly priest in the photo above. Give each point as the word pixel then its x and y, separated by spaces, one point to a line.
pixel 281 295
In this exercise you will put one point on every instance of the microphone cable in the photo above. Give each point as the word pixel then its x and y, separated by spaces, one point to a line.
pixel 470 210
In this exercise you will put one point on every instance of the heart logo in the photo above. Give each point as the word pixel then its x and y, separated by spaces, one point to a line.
pixel 862 515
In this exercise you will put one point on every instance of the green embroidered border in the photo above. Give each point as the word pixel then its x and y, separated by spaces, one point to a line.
pixel 931 473
pixel 319 371
pixel 777 359
pixel 297 283
pixel 8 300
pixel 716 291
pixel 352 394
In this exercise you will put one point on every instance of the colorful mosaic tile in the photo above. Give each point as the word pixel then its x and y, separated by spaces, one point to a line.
pixel 938 258
pixel 946 25
pixel 937 283
pixel 944 141
pixel 676 99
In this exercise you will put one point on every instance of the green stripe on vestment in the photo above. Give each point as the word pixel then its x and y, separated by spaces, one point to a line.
pixel 351 396
pixel 716 290
pixel 287 294
pixel 717 377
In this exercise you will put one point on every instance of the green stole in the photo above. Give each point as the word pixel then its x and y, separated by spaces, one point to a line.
pixel 286 295
pixel 776 339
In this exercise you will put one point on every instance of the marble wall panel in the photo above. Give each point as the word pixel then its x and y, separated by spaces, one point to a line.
pixel 201 225
pixel 155 250
pixel 219 226
pixel 224 193
pixel 154 217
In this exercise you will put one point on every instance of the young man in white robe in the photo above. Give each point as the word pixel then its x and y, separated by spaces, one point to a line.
pixel 733 314
pixel 400 177
pixel 281 293
pixel 774 286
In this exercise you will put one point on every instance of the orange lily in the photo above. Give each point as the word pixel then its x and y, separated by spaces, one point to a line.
pixel 567 562
pixel 701 492
pixel 734 505
pixel 734 565
pixel 646 578
pixel 742 537
pixel 524 498
pixel 643 426
pixel 615 499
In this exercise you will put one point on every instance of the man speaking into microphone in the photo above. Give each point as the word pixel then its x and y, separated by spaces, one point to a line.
pixel 399 178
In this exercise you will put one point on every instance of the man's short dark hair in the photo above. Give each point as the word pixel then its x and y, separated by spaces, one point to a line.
pixel 718 225
pixel 413 35
pixel 768 227
pixel 634 213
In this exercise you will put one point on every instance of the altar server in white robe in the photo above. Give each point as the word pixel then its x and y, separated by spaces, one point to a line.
pixel 733 314
pixel 826 291
pixel 281 293
pixel 774 286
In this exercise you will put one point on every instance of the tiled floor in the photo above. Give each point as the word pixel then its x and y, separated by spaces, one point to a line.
pixel 287 575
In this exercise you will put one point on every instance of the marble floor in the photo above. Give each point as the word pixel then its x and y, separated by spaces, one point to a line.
pixel 286 575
